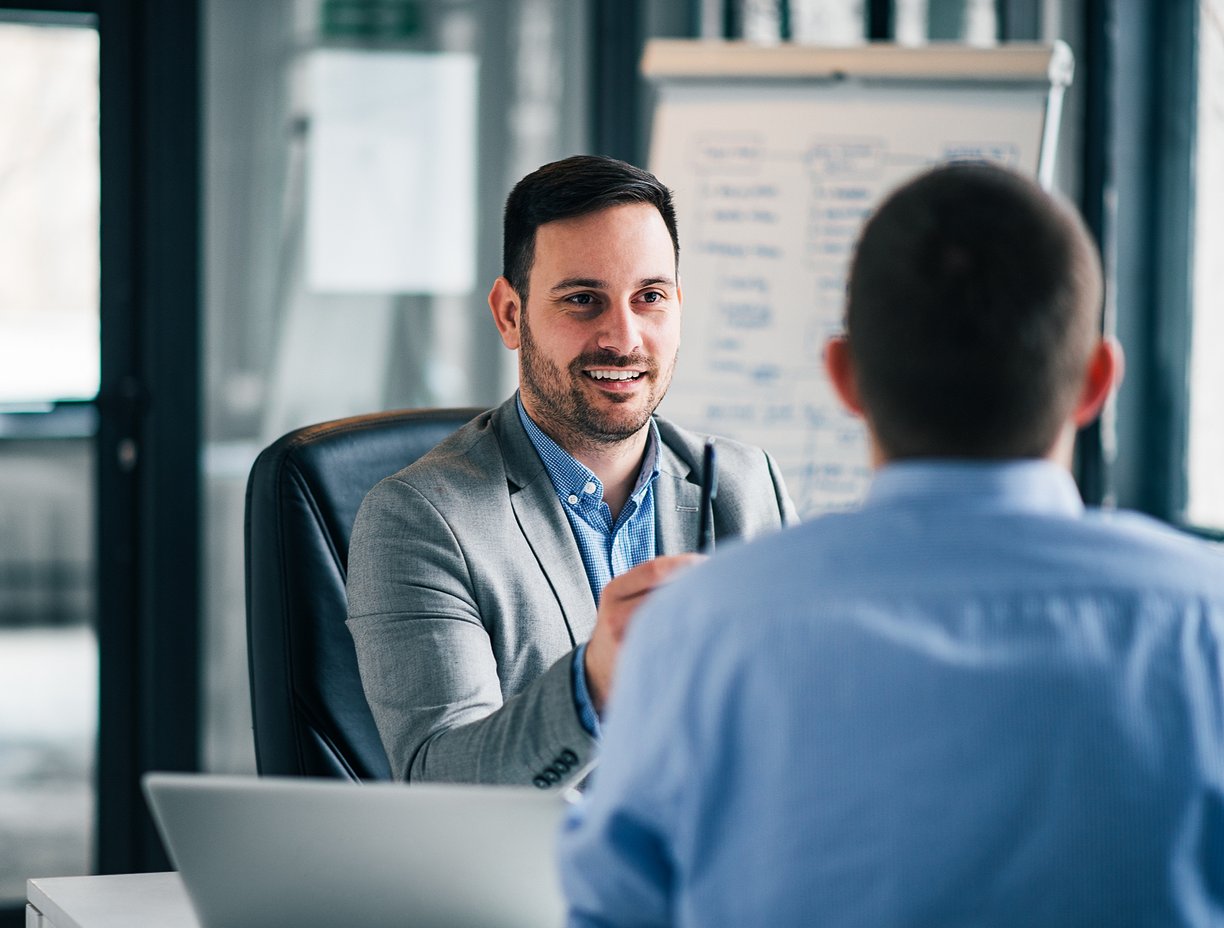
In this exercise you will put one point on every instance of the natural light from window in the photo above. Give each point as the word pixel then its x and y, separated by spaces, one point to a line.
pixel 48 214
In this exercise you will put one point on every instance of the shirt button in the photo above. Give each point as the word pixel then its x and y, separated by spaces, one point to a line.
pixel 572 499
pixel 590 487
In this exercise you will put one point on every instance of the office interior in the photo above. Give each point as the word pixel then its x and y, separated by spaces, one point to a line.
pixel 165 313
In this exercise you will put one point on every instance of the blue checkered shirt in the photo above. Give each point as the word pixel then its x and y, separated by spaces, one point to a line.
pixel 608 548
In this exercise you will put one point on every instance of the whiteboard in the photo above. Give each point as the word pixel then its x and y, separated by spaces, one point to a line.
pixel 773 175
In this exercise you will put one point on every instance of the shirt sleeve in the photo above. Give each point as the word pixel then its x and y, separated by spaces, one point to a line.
pixel 582 695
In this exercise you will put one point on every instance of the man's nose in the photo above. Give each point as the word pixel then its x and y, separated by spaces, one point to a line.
pixel 619 329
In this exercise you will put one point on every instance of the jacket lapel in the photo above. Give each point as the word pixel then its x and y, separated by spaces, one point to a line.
pixel 544 523
pixel 677 505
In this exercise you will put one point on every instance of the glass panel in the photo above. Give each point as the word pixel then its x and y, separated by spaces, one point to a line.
pixel 48 661
pixel 48 351
pixel 829 22
pixel 813 22
pixel 974 22
pixel 48 213
pixel 1206 447
pixel 293 338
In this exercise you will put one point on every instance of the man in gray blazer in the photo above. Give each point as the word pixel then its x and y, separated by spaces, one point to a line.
pixel 490 583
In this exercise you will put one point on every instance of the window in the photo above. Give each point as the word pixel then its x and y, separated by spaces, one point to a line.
pixel 49 185
pixel 48 214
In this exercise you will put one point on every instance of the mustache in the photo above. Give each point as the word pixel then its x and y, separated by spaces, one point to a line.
pixel 612 359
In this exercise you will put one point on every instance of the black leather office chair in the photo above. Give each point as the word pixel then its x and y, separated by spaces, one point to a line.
pixel 310 714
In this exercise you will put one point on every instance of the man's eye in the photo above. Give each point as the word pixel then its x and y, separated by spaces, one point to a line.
pixel 581 299
pixel 653 296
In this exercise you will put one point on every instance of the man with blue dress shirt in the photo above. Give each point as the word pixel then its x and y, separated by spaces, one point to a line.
pixel 491 581
pixel 968 702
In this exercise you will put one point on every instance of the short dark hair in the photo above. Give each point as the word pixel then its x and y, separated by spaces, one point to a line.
pixel 973 305
pixel 568 188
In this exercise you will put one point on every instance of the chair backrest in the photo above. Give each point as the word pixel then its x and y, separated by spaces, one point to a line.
pixel 309 710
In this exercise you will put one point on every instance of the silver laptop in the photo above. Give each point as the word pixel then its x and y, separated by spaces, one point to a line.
pixel 269 852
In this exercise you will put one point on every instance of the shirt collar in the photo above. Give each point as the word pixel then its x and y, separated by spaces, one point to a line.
pixel 1032 486
pixel 568 475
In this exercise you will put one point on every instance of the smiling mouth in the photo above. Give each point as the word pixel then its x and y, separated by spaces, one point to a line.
pixel 616 375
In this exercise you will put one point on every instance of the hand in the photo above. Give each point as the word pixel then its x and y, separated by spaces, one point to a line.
pixel 621 598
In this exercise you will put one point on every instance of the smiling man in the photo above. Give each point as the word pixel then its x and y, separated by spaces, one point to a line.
pixel 491 582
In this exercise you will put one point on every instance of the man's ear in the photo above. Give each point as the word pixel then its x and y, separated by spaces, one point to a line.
pixel 840 368
pixel 507 308
pixel 1102 374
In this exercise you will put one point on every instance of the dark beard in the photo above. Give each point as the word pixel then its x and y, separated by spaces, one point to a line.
pixel 566 413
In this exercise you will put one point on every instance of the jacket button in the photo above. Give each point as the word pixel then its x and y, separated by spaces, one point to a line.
pixel 569 757
pixel 541 782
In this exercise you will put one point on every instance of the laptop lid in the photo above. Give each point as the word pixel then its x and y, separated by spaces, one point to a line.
pixel 280 852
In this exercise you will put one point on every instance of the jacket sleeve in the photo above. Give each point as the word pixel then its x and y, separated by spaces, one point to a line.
pixel 428 664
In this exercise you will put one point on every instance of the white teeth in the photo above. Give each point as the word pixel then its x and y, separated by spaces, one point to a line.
pixel 615 375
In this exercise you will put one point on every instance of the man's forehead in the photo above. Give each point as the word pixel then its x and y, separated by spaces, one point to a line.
pixel 630 233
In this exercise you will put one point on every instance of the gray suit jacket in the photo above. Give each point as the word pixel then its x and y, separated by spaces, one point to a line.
pixel 467 596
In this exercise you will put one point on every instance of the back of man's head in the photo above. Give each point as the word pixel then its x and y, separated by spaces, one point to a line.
pixel 973 308
pixel 569 188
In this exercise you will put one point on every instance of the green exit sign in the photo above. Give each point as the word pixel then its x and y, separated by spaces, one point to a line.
pixel 370 19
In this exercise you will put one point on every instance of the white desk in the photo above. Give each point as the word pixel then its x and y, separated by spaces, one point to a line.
pixel 129 900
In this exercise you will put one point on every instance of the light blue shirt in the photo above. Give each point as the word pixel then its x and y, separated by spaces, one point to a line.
pixel 969 702
pixel 608 548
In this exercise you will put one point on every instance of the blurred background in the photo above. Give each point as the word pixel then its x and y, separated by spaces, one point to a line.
pixel 172 180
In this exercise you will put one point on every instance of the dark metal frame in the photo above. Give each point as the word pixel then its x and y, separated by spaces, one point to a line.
pixel 1173 53
pixel 149 435
pixel 1096 170
pixel 617 34
pixel 1141 61
pixel 881 24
